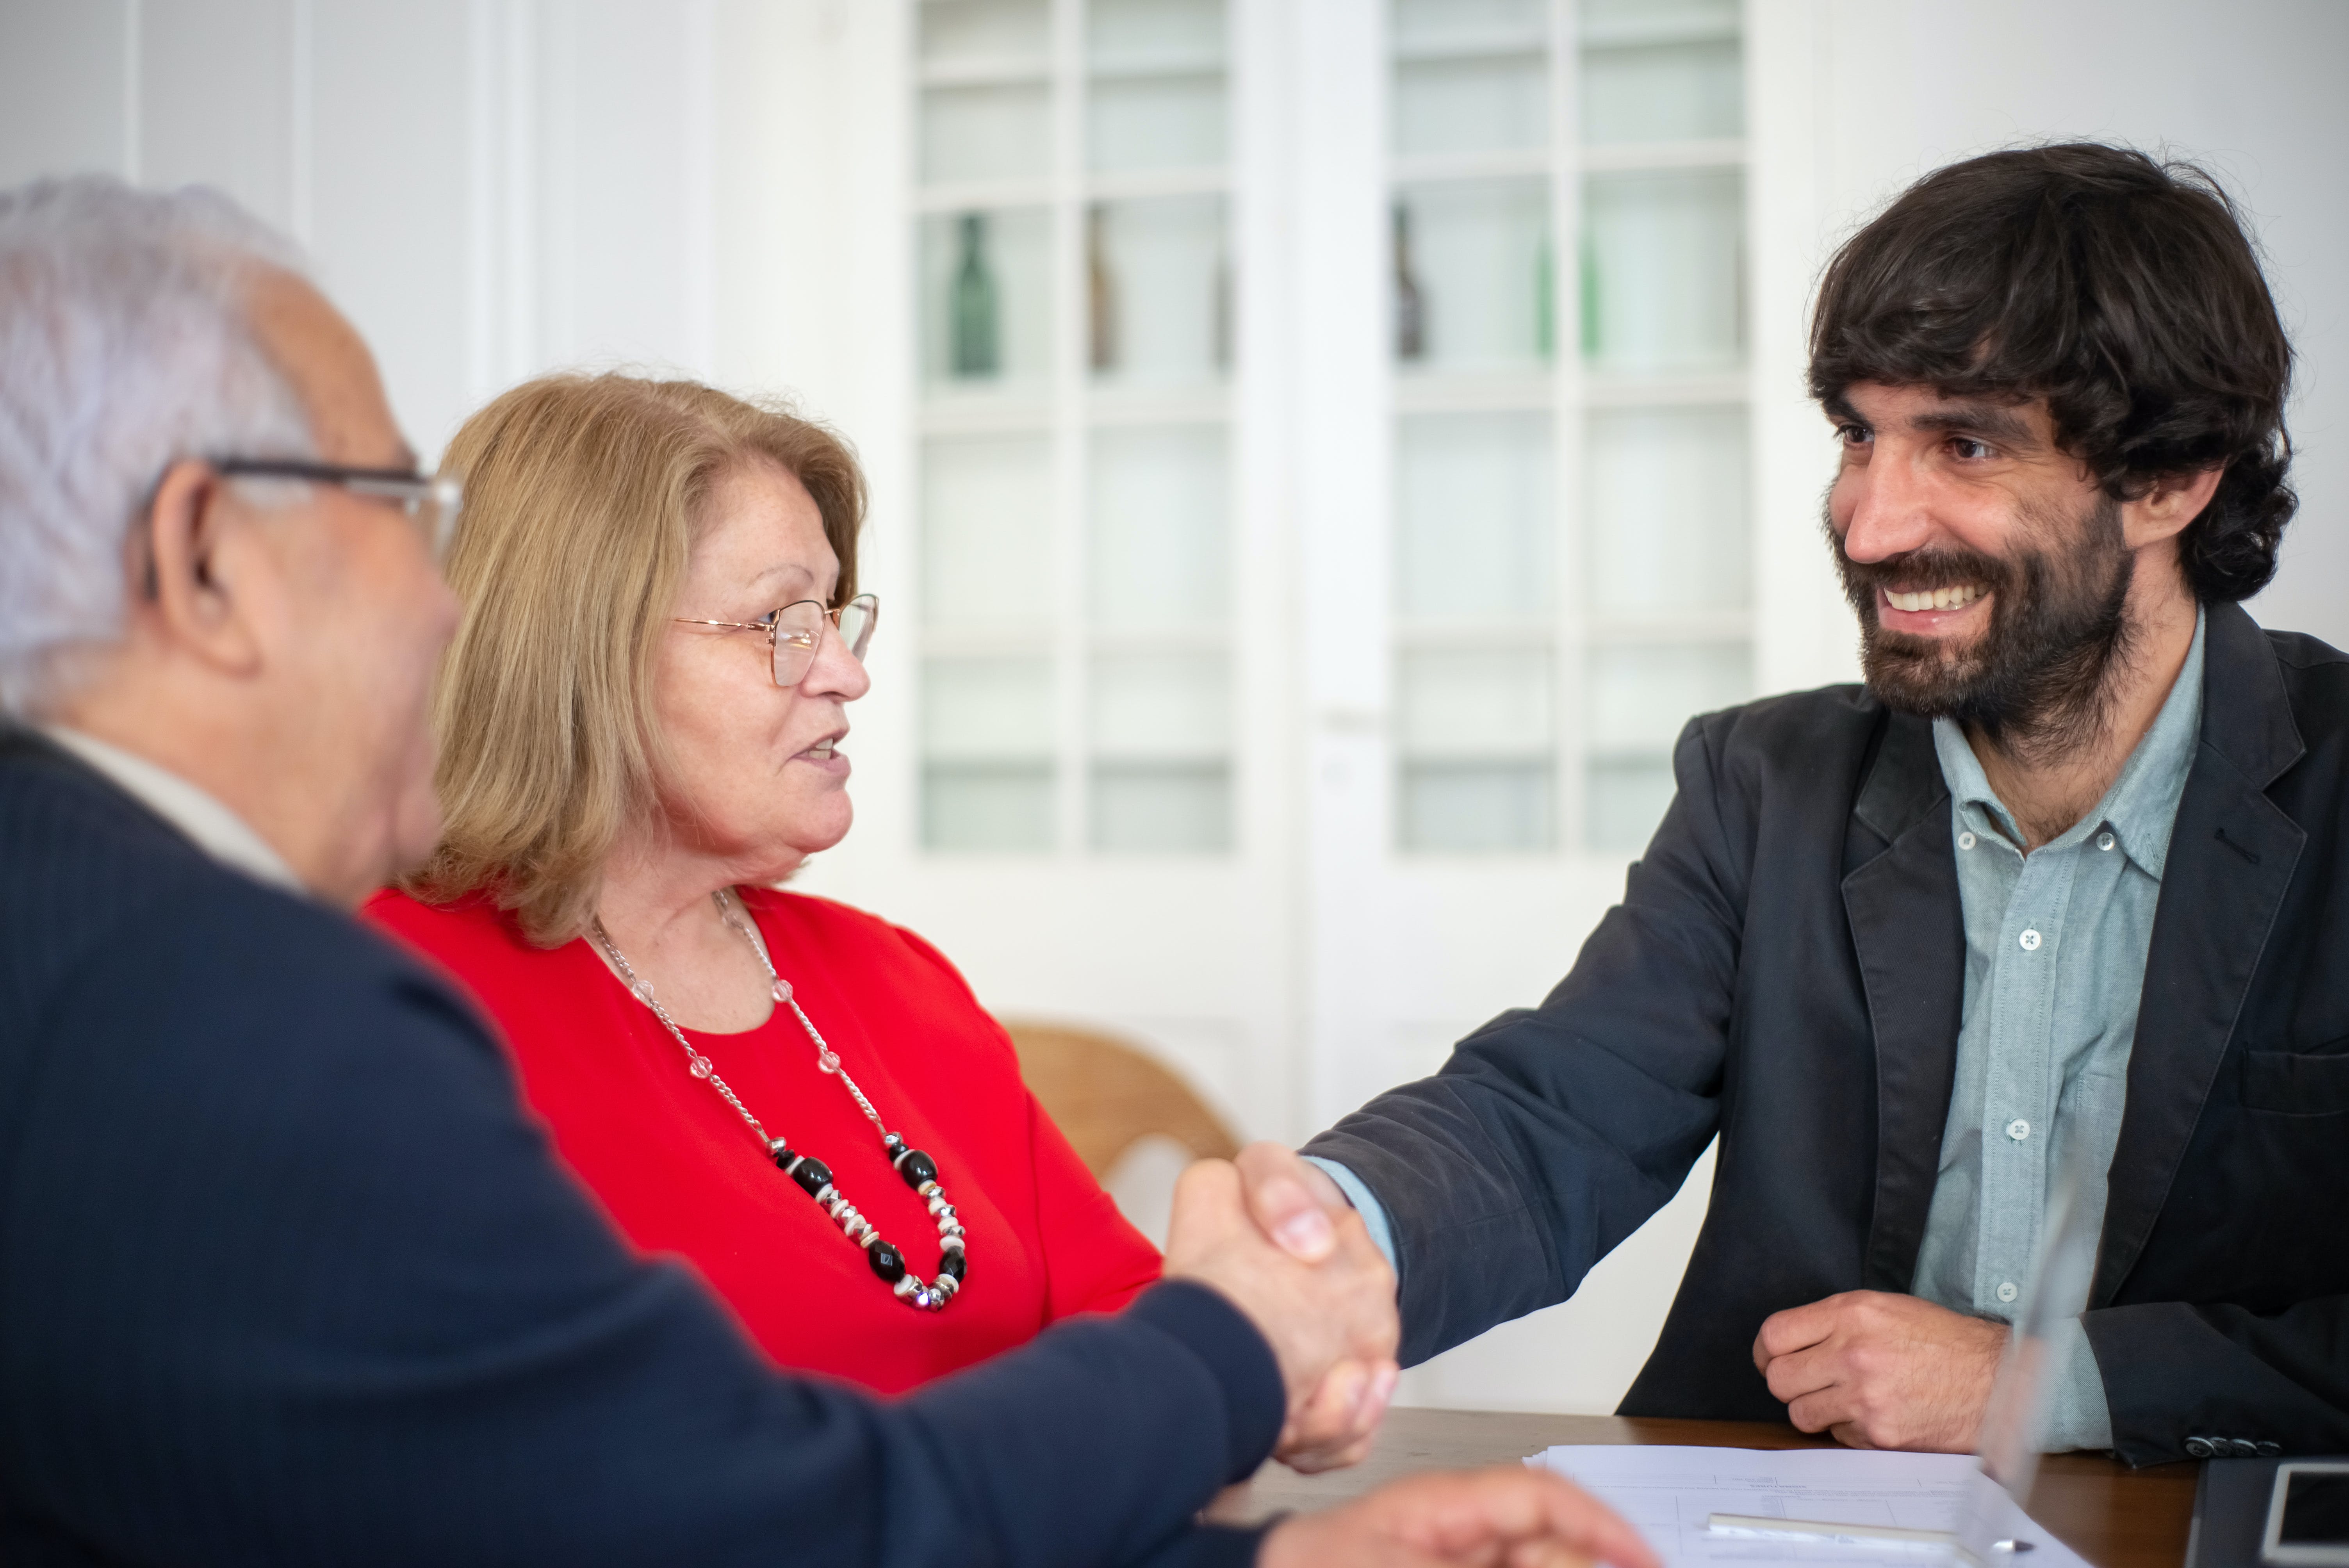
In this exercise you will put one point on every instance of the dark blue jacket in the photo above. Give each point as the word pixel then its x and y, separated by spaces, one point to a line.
pixel 1786 970
pixel 286 1276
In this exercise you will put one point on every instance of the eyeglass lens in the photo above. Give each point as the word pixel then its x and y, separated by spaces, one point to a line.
pixel 799 631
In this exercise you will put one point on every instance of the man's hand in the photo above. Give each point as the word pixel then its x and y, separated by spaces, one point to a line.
pixel 1882 1371
pixel 1296 1204
pixel 1331 1322
pixel 1505 1517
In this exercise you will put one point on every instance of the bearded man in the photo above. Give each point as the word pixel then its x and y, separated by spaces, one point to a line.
pixel 2065 882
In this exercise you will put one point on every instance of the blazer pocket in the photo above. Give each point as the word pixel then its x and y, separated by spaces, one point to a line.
pixel 2298 1083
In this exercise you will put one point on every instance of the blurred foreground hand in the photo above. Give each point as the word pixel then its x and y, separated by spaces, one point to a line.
pixel 1507 1517
pixel 1330 1320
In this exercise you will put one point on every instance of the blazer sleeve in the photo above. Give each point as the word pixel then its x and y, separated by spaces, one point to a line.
pixel 2173 1371
pixel 287 1274
pixel 1553 1133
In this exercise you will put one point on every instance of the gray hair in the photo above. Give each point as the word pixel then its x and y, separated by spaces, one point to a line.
pixel 126 345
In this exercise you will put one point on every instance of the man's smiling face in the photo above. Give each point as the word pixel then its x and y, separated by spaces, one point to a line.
pixel 1989 569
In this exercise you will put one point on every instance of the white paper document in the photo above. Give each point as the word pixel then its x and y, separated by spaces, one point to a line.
pixel 1669 1494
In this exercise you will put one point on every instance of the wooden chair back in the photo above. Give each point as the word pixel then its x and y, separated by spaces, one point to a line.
pixel 1105 1095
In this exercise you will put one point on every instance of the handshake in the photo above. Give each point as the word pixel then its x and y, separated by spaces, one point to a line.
pixel 1274 1236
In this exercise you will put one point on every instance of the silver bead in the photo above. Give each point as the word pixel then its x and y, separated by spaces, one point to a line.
pixel 701 1068
pixel 926 1189
pixel 781 988
pixel 906 1286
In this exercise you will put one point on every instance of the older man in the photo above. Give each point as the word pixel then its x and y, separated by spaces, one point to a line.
pixel 284 1273
pixel 2067 882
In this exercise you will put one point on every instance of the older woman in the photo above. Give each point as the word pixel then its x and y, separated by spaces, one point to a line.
pixel 640 729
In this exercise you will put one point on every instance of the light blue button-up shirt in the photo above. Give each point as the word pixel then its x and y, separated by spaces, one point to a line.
pixel 2056 946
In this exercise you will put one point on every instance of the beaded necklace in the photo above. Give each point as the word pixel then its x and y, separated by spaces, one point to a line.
pixel 918 1169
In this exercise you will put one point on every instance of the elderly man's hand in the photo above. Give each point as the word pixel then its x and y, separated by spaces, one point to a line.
pixel 1331 1322
pixel 1882 1371
pixel 1505 1517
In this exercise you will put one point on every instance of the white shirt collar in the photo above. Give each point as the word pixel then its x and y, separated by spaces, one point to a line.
pixel 214 828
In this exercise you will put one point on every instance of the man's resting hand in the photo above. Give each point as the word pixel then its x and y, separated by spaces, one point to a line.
pixel 1882 1371
pixel 1330 1321
pixel 1505 1517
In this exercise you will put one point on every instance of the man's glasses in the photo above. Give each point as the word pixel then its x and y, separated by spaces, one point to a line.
pixel 796 631
pixel 429 501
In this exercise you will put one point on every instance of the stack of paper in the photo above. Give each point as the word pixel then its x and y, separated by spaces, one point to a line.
pixel 1670 1494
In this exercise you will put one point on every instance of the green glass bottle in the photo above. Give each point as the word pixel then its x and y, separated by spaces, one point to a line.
pixel 976 342
pixel 1593 342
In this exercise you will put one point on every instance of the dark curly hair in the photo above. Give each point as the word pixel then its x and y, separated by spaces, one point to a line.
pixel 2122 290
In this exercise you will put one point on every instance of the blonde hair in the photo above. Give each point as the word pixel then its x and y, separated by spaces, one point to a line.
pixel 582 498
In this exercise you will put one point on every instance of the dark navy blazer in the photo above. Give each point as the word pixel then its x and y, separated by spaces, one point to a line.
pixel 1786 969
pixel 288 1276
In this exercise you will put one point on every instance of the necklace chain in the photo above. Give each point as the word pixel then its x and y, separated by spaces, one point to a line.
pixel 918 1170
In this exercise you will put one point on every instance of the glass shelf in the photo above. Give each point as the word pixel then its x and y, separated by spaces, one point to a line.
pixel 1665 510
pixel 1159 293
pixel 985 301
pixel 1664 92
pixel 1161 740
pixel 1477 252
pixel 1476 730
pixel 1473 517
pixel 985 133
pixel 986 742
pixel 1479 104
pixel 1638 700
pixel 1633 24
pixel 960 31
pixel 1124 34
pixel 1663 271
pixel 1432 29
pixel 985 523
pixel 1155 121
pixel 1157 535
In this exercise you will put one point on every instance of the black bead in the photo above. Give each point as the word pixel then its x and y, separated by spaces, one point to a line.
pixel 813 1174
pixel 917 1168
pixel 781 1154
pixel 954 1263
pixel 886 1261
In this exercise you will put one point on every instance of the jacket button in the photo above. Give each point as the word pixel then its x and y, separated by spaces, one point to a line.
pixel 2198 1447
pixel 2244 1448
pixel 2270 1450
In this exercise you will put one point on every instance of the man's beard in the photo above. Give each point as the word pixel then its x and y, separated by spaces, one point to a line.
pixel 2037 681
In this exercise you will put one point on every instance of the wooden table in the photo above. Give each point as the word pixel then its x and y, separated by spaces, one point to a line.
pixel 2113 1516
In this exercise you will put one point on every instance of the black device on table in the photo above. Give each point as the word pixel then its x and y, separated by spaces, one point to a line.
pixel 2271 1514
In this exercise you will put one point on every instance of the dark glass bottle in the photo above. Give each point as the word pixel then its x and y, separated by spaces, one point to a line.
pixel 1101 292
pixel 977 348
pixel 1409 310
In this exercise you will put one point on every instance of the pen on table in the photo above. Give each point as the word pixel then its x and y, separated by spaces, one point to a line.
pixel 1758 1527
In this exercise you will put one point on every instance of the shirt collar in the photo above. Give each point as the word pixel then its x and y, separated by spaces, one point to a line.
pixel 2142 803
pixel 211 826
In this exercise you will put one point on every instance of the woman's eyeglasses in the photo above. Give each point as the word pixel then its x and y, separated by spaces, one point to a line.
pixel 796 631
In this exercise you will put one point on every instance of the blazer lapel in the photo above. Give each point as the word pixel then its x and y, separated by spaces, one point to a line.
pixel 1909 933
pixel 2232 855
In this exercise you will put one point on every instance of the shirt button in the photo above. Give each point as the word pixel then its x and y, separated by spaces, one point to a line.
pixel 1965 841
pixel 2006 1291
pixel 2030 940
pixel 2018 1129
pixel 2104 841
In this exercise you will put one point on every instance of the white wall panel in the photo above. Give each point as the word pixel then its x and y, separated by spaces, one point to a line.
pixel 64 105
pixel 217 94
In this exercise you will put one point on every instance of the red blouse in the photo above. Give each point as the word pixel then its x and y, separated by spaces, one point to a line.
pixel 680 1173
